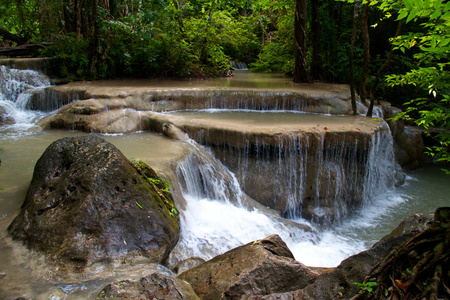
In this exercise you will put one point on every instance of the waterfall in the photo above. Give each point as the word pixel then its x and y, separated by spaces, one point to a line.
pixel 321 176
pixel 352 178
pixel 241 66
pixel 15 91
pixel 216 218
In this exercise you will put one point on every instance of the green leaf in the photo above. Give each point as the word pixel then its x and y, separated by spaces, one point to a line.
pixel 402 14
pixel 435 15
pixel 408 4
pixel 412 15
pixel 140 206
pixel 437 4
pixel 397 6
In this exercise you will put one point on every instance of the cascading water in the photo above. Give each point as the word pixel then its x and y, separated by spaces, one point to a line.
pixel 318 174
pixel 350 177
pixel 16 89
pixel 218 216
pixel 238 65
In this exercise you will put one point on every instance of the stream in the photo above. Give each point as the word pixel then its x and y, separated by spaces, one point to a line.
pixel 227 218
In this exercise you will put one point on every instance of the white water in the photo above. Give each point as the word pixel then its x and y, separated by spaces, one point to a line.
pixel 15 91
pixel 216 219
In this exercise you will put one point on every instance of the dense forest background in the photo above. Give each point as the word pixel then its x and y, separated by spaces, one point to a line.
pixel 394 50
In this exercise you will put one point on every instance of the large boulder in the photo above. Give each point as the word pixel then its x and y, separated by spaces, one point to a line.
pixel 408 142
pixel 153 286
pixel 340 283
pixel 259 268
pixel 88 204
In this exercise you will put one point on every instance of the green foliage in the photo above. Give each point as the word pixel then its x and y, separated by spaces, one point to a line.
pixel 71 55
pixel 366 287
pixel 276 21
pixel 431 50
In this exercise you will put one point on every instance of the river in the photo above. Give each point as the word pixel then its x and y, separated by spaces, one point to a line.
pixel 220 225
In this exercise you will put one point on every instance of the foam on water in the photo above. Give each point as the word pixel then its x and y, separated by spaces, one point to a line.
pixel 16 90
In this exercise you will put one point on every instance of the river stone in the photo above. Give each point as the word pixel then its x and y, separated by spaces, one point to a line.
pixel 187 264
pixel 5 118
pixel 87 204
pixel 154 286
pixel 412 224
pixel 259 268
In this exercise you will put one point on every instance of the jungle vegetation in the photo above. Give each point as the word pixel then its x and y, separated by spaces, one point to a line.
pixel 392 50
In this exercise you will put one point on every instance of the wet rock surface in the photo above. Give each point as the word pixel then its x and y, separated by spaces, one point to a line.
pixel 153 286
pixel 5 118
pixel 187 264
pixel 259 268
pixel 340 282
pixel 88 204
pixel 408 142
pixel 98 106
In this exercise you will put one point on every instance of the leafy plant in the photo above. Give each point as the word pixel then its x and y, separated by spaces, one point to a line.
pixel 161 186
pixel 366 286
pixel 430 45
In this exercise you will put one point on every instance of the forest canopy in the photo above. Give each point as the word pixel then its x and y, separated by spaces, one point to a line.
pixel 393 50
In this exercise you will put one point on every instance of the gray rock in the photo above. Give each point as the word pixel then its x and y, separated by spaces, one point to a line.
pixel 187 264
pixel 408 142
pixel 154 286
pixel 88 204
pixel 5 118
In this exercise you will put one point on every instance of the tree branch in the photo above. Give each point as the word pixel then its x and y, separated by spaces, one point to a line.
pixel 12 37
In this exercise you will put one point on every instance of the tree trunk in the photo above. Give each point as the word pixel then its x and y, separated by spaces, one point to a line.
pixel 203 54
pixel 385 65
pixel 352 48
pixel 366 47
pixel 300 72
pixel 180 19
pixel 95 42
pixel 317 72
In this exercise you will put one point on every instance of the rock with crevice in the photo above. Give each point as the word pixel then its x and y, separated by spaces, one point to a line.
pixel 87 204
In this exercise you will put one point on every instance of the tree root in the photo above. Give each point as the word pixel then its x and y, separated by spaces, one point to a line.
pixel 418 269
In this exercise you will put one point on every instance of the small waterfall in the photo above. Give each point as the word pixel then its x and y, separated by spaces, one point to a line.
pixel 238 65
pixel 321 176
pixel 216 219
pixel 15 91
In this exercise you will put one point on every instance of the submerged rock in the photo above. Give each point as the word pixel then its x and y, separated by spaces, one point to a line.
pixel 259 268
pixel 153 286
pixel 88 204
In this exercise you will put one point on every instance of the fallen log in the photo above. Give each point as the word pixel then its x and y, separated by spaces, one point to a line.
pixel 29 50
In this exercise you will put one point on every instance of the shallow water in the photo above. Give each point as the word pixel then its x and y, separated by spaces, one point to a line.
pixel 248 120
pixel 240 80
